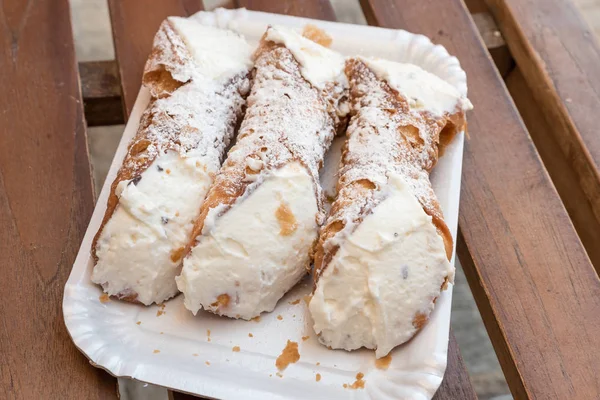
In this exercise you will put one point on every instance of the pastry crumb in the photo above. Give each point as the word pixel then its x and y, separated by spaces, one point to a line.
pixel 286 219
pixel 250 335
pixel 176 254
pixel 317 35
pixel 156 351
pixel 207 362
pixel 138 323
pixel 161 310
pixel 222 301
pixel 279 375
pixel 295 302
pixel 383 362
pixel 288 356
pixel 318 363
pixel 305 338
pixel 318 377
pixel 359 383
pixel 256 319
pixel 235 349
pixel 104 298
pixel 419 320
pixel 279 317
pixel 162 333
pixel 195 354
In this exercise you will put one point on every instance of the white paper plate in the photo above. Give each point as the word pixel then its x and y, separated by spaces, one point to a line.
pixel 108 333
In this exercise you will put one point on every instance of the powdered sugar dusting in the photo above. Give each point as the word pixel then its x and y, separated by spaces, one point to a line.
pixel 318 64
pixel 199 117
pixel 287 119
pixel 384 136
pixel 189 112
pixel 190 109
pixel 169 53
pixel 188 51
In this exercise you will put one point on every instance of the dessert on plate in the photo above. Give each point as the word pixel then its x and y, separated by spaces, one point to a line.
pixel 382 258
pixel 198 78
pixel 254 238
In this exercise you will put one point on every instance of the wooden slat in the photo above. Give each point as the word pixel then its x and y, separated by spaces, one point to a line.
pixel 559 57
pixel 101 89
pixel 534 284
pixel 46 200
pixel 134 24
pixel 559 167
pixel 476 6
pixel 456 383
pixel 494 42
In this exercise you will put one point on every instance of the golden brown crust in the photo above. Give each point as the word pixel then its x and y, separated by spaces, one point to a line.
pixel 173 120
pixel 168 50
pixel 412 152
pixel 265 136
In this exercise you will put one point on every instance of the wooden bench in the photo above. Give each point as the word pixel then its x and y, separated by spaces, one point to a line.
pixel 530 201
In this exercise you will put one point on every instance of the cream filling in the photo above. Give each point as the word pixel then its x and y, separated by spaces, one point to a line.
pixel 383 275
pixel 318 64
pixel 249 257
pixel 219 53
pixel 139 246
pixel 422 89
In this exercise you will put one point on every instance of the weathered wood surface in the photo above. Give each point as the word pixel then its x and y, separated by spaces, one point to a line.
pixel 494 42
pixel 533 282
pixel 46 200
pixel 559 57
pixel 559 167
pixel 101 89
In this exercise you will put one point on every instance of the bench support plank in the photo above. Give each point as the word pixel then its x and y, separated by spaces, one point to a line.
pixel 46 201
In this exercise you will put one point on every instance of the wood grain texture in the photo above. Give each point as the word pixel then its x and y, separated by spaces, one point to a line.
pixel 476 6
pixel 559 56
pixel 560 169
pixel 456 383
pixel 46 200
pixel 134 24
pixel 533 282
pixel 493 40
pixel 101 90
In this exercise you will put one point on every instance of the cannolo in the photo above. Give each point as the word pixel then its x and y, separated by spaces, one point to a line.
pixel 383 254
pixel 257 227
pixel 198 77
